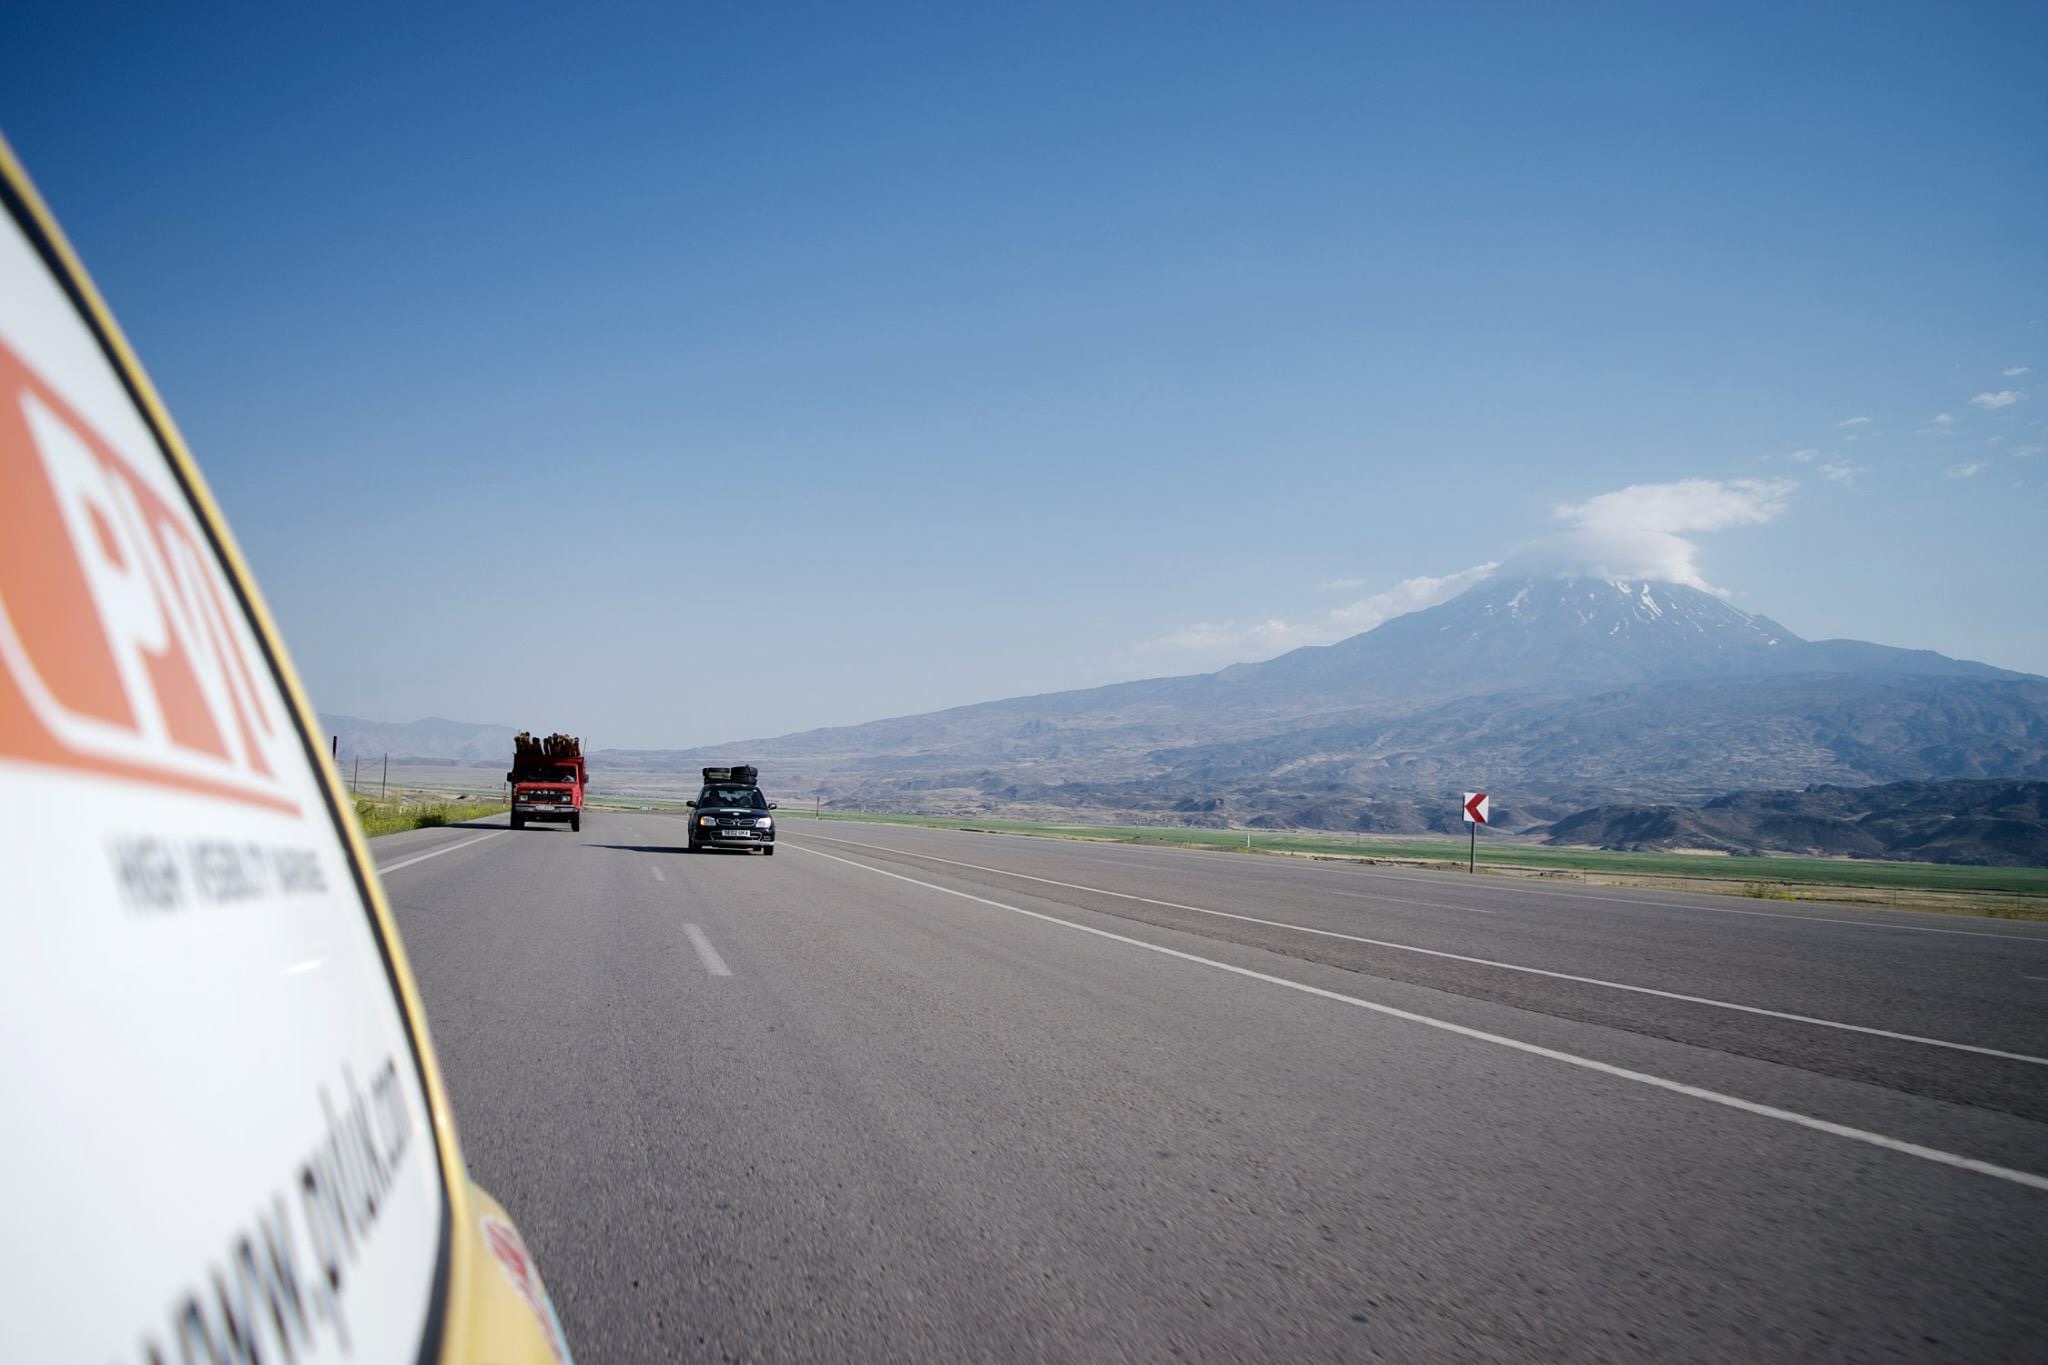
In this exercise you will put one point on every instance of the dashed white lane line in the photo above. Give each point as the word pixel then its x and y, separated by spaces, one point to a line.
pixel 388 869
pixel 706 954
pixel 1475 961
pixel 659 875
pixel 1808 1121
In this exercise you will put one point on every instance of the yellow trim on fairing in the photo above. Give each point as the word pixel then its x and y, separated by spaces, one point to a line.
pixel 484 1319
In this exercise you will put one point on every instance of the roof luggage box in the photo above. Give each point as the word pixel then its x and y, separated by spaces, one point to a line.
pixel 745 774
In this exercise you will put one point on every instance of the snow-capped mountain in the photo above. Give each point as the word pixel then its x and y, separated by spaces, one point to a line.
pixel 1531 632
pixel 1565 634
pixel 1563 691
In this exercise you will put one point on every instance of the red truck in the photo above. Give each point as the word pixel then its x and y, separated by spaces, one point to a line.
pixel 548 778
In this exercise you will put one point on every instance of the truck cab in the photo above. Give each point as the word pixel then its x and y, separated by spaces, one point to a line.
pixel 548 778
pixel 731 812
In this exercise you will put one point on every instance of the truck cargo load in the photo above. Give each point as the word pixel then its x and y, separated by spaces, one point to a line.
pixel 548 778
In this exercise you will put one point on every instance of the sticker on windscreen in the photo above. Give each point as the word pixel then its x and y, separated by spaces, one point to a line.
pixel 219 1141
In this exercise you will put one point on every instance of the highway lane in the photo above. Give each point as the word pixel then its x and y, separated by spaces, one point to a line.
pixel 1967 989
pixel 907 1123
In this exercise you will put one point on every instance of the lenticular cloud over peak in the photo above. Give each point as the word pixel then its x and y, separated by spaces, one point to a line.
pixel 1687 505
pixel 1642 531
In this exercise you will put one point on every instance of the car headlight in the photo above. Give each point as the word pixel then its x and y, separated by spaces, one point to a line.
pixel 710 821
pixel 765 822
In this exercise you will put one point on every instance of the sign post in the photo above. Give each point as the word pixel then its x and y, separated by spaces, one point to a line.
pixel 1476 808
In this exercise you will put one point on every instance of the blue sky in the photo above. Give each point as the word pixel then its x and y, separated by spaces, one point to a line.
pixel 891 358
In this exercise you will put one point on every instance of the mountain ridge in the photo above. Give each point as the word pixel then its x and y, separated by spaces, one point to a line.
pixel 1990 823
pixel 1499 638
pixel 1557 693
pixel 429 737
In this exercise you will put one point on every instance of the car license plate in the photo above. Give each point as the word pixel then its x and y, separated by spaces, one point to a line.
pixel 735 834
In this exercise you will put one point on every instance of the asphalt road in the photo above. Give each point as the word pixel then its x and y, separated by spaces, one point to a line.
pixel 910 1094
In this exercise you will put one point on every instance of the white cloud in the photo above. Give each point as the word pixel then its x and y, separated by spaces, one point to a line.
pixel 2004 398
pixel 1942 419
pixel 1967 471
pixel 2015 372
pixel 1687 505
pixel 1342 584
pixel 1804 456
pixel 1641 531
pixel 1217 643
pixel 1855 422
pixel 1840 472
pixel 2025 452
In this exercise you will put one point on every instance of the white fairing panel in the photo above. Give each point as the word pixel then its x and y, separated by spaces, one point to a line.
pixel 216 1142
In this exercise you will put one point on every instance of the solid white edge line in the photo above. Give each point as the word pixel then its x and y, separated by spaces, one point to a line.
pixel 1852 923
pixel 1601 899
pixel 394 867
pixel 706 954
pixel 1914 1149
pixel 1598 900
pixel 1475 961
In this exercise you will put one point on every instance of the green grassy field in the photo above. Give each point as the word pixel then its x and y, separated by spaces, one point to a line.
pixel 1984 890
pixel 2004 892
pixel 631 803
pixel 397 814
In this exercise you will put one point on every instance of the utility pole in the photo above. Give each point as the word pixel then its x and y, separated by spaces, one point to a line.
pixel 356 774
pixel 384 787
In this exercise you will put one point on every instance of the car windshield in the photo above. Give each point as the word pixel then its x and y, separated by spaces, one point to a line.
pixel 747 797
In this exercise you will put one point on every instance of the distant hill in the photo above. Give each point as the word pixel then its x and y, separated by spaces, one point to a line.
pixel 1998 824
pixel 1681 739
pixel 463 741
pixel 1556 693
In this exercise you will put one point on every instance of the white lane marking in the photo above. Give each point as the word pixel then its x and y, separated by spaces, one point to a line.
pixel 1853 923
pixel 1889 1144
pixel 659 875
pixel 394 867
pixel 707 954
pixel 1476 961
pixel 1600 899
pixel 1596 898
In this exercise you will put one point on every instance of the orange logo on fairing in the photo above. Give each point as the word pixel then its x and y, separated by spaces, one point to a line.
pixel 121 652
